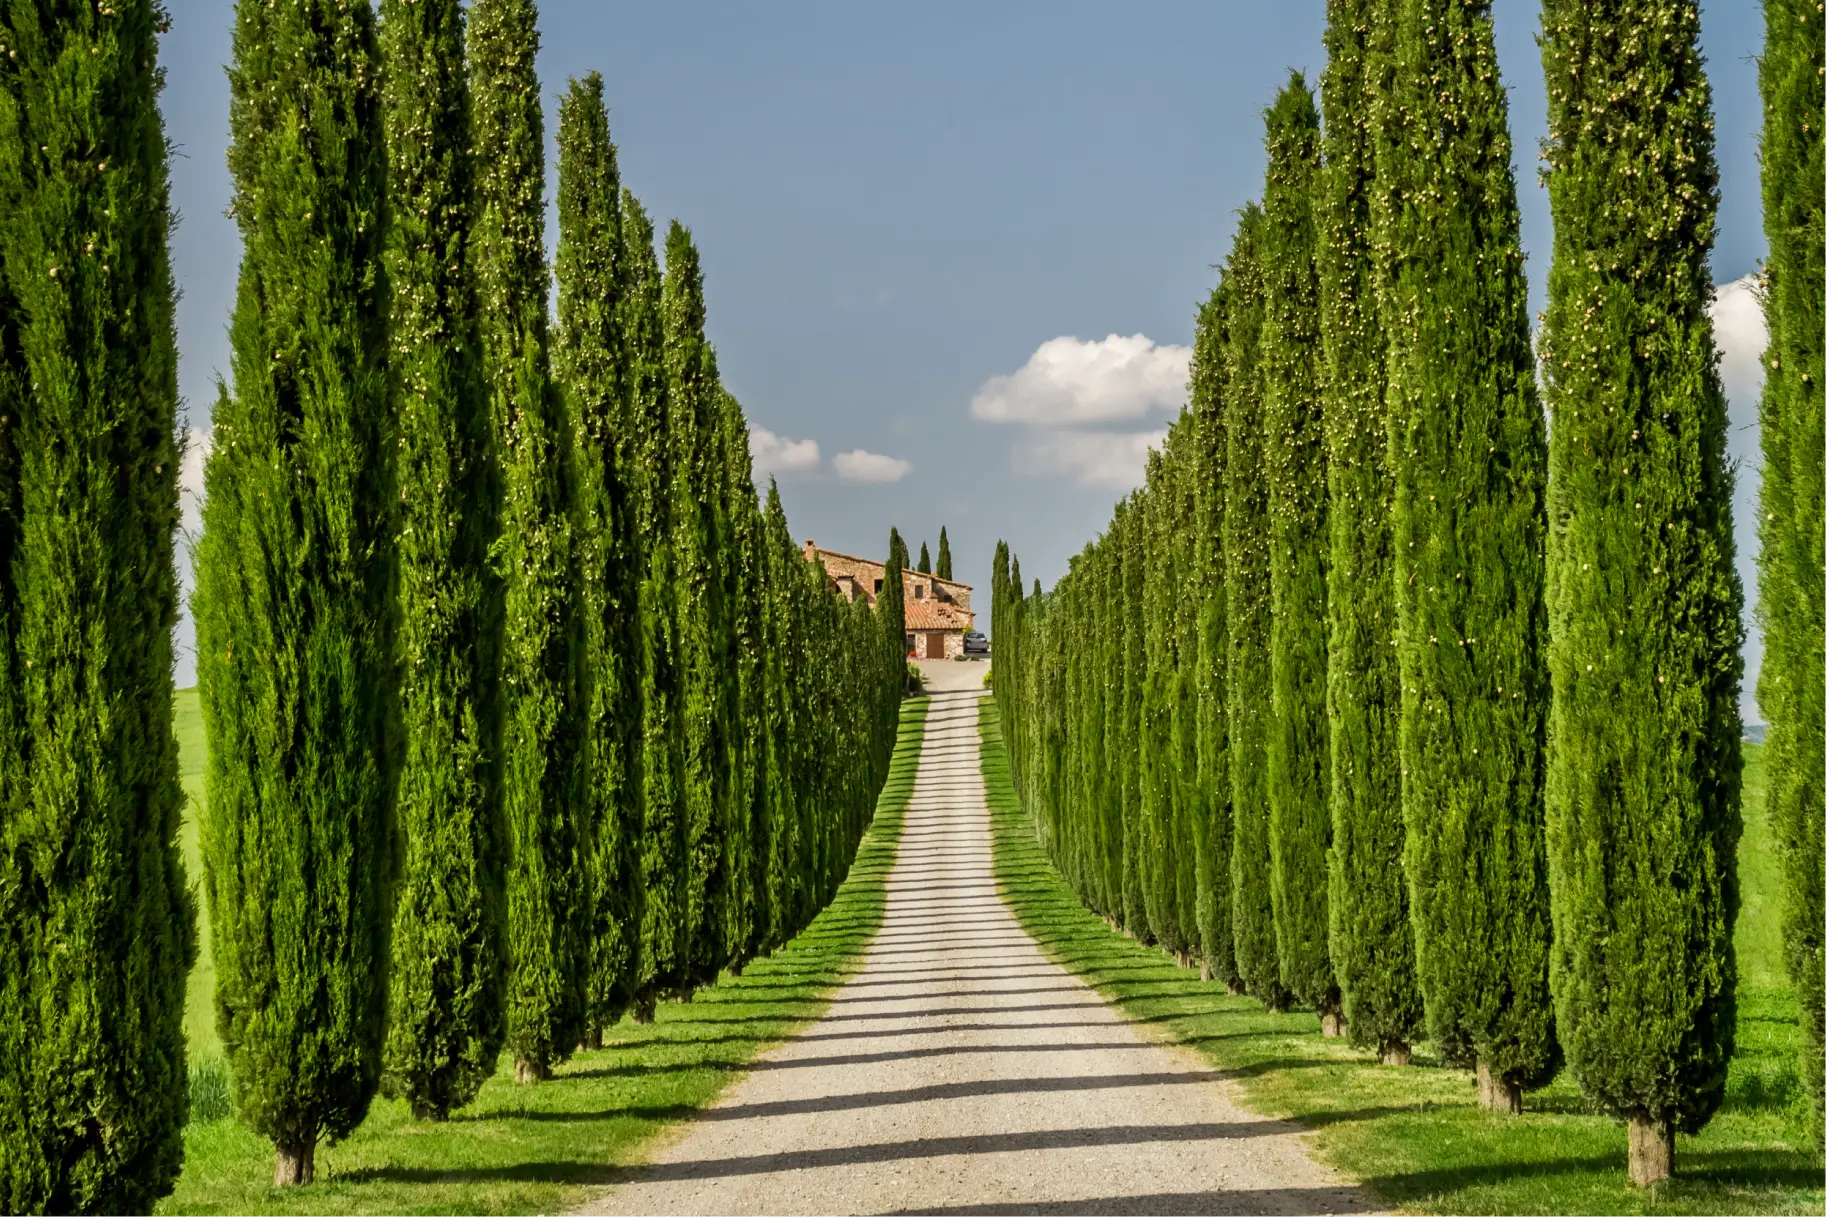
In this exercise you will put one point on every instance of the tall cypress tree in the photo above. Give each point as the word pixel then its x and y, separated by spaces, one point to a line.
pixel 1211 844
pixel 925 559
pixel 545 756
pixel 1644 763
pixel 592 368
pixel 891 604
pixel 1250 683
pixel 447 1018
pixel 1790 602
pixel 741 670
pixel 697 540
pixel 1299 811
pixel 1372 940
pixel 664 860
pixel 1470 448
pixel 1155 760
pixel 943 569
pixel 96 927
pixel 295 591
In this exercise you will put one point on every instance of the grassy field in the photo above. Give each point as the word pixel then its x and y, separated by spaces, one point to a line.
pixel 543 1148
pixel 1415 1136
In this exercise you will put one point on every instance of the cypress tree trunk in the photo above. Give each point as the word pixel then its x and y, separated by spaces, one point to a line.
pixel 447 1018
pixel 944 554
pixel 96 924
pixel 1645 761
pixel 697 528
pixel 592 366
pixel 1790 601
pixel 664 866
pixel 1250 683
pixel 1299 811
pixel 1211 845
pixel 1372 939
pixel 295 597
pixel 1470 447
pixel 545 750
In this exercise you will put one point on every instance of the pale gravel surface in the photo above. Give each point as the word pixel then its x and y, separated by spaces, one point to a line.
pixel 958 1070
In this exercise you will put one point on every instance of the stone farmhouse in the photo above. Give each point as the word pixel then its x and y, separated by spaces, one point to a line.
pixel 938 610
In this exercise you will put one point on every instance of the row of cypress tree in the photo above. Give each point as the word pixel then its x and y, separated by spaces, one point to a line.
pixel 523 710
pixel 1378 698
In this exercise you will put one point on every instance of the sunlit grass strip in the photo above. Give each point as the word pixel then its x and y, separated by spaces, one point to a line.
pixel 1415 1136
pixel 544 1148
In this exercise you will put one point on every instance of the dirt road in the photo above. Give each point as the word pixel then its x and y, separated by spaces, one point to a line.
pixel 960 1071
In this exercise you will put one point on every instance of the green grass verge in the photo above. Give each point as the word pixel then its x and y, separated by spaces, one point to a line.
pixel 534 1149
pixel 1415 1136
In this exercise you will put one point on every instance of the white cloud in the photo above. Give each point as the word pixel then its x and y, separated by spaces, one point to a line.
pixel 773 454
pixel 1091 458
pixel 190 480
pixel 1741 333
pixel 860 466
pixel 1069 381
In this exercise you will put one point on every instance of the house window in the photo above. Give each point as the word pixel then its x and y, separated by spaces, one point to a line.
pixel 919 591
pixel 878 587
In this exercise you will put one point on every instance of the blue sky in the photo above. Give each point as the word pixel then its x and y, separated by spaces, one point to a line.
pixel 897 205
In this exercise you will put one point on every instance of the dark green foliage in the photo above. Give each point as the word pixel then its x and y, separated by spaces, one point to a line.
pixel 1249 684
pixel 925 560
pixel 1644 764
pixel 545 671
pixel 1791 602
pixel 943 569
pixel 1293 460
pixel 447 1020
pixel 1372 941
pixel 891 602
pixel 96 927
pixel 698 525
pixel 295 588
pixel 742 673
pixel 664 866
pixel 1211 796
pixel 1470 461
pixel 592 367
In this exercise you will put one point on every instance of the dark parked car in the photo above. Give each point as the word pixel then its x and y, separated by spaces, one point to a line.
pixel 975 644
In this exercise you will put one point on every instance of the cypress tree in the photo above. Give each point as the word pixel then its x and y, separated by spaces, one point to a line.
pixel 295 591
pixel 1299 812
pixel 1790 602
pixel 742 674
pixel 1470 446
pixel 447 1020
pixel 1250 680
pixel 1644 763
pixel 925 560
pixel 1155 759
pixel 786 572
pixel 592 367
pixel 96 926
pixel 545 746
pixel 944 554
pixel 891 604
pixel 664 865
pixel 1372 940
pixel 1212 823
pixel 697 527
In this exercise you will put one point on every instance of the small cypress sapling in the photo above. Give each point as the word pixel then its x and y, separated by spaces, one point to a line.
pixel 1469 439
pixel 446 1017
pixel 1293 457
pixel 592 367
pixel 664 859
pixel 545 749
pixel 96 924
pixel 1790 600
pixel 697 540
pixel 1644 760
pixel 943 569
pixel 295 595
pixel 1372 938
pixel 1249 670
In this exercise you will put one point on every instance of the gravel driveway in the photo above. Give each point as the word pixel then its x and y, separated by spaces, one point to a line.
pixel 960 1071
